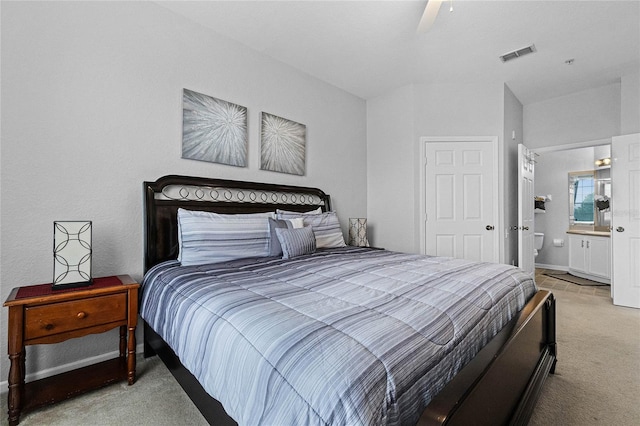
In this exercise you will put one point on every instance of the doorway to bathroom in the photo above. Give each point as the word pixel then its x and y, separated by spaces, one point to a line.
pixel 572 209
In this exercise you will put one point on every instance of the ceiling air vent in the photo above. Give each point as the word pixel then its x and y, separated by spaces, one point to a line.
pixel 517 53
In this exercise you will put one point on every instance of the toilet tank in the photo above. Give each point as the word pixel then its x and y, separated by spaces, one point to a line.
pixel 538 238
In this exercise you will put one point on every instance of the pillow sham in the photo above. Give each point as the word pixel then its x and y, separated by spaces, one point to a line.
pixel 326 227
pixel 296 241
pixel 314 211
pixel 296 222
pixel 206 237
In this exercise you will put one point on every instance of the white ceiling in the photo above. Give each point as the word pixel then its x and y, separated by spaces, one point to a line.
pixel 370 47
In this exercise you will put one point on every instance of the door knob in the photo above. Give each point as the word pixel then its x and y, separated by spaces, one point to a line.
pixel 620 229
pixel 489 227
pixel 525 228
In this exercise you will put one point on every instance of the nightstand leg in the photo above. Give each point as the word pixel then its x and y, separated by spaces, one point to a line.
pixel 123 341
pixel 16 386
pixel 132 321
pixel 17 368
pixel 131 356
pixel 23 369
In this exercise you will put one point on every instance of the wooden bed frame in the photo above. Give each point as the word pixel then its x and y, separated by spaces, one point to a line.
pixel 499 386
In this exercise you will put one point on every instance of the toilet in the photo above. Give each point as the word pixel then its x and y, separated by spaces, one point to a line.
pixel 538 238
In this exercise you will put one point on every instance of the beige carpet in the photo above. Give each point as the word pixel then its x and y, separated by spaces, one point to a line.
pixel 156 399
pixel 597 380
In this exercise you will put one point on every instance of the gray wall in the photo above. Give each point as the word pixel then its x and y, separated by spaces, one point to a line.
pixel 395 123
pixel 584 116
pixel 512 136
pixel 91 107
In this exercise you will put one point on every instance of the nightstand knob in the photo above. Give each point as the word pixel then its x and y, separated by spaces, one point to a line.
pixel 81 315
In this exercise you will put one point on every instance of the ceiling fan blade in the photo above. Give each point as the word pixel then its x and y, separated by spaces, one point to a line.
pixel 429 15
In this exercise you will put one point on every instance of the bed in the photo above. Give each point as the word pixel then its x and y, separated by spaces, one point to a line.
pixel 333 334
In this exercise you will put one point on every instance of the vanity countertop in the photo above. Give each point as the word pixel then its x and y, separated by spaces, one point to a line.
pixel 586 232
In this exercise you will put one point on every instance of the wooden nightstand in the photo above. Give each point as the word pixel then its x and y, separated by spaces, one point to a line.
pixel 40 315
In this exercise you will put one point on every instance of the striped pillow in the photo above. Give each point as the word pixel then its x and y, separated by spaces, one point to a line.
pixel 326 227
pixel 296 241
pixel 206 237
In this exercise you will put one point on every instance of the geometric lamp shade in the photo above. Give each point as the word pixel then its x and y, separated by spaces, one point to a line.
pixel 71 254
pixel 358 232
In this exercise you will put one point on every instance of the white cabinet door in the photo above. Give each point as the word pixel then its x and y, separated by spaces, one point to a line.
pixel 590 257
pixel 576 253
pixel 599 256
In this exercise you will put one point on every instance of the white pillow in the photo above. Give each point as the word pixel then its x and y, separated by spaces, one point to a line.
pixel 297 222
pixel 315 211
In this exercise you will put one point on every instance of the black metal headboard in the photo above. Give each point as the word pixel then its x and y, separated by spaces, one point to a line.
pixel 163 197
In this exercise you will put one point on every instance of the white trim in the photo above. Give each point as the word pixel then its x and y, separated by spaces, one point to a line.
pixel 586 144
pixel 498 186
pixel 69 367
pixel 554 267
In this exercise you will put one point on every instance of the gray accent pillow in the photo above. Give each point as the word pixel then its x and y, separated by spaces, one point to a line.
pixel 275 249
pixel 296 242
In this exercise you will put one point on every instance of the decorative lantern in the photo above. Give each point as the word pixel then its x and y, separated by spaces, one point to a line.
pixel 358 232
pixel 71 254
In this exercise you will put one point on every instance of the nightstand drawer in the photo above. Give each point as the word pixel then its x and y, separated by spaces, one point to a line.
pixel 56 318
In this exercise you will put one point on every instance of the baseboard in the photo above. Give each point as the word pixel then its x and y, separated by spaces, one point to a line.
pixel 4 385
pixel 554 267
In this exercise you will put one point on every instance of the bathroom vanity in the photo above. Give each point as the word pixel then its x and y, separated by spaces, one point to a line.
pixel 590 225
pixel 590 255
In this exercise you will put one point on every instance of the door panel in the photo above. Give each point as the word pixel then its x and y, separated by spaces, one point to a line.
pixel 445 245
pixel 472 197
pixel 445 189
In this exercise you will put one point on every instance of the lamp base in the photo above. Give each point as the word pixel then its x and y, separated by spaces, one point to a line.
pixel 71 285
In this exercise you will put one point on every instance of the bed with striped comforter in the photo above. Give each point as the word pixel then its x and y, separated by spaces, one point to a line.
pixel 346 336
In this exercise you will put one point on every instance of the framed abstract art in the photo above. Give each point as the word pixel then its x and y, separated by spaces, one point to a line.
pixel 283 145
pixel 213 130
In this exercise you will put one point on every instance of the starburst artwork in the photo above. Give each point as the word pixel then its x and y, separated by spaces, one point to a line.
pixel 213 130
pixel 283 145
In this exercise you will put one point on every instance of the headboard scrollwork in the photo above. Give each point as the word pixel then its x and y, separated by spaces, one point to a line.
pixel 163 197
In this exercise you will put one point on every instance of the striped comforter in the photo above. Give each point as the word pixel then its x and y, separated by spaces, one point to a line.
pixel 345 336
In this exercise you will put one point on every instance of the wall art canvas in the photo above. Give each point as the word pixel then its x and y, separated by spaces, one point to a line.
pixel 283 145
pixel 213 130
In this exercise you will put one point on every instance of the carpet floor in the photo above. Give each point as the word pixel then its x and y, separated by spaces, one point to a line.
pixel 597 380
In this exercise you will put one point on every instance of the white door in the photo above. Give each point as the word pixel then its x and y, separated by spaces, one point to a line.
pixel 625 184
pixel 525 209
pixel 461 199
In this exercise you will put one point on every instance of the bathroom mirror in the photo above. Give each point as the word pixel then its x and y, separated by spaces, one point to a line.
pixel 590 200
